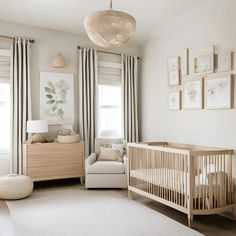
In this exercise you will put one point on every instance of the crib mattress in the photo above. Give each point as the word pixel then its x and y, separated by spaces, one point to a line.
pixel 175 180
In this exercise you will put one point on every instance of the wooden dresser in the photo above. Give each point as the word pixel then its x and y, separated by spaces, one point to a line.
pixel 46 161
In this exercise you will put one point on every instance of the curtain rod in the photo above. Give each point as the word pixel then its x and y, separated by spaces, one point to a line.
pixel 10 37
pixel 114 53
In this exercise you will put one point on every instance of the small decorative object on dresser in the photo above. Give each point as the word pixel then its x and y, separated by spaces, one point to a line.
pixel 46 161
pixel 67 136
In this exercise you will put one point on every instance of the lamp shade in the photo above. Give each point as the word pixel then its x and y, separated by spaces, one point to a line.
pixel 110 28
pixel 59 61
pixel 37 126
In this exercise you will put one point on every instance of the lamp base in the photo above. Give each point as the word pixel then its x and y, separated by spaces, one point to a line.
pixel 36 138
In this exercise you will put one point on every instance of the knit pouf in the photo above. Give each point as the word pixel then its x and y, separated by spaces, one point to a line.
pixel 15 186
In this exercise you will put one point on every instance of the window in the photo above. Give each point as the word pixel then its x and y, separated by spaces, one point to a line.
pixel 109 109
pixel 109 100
pixel 5 61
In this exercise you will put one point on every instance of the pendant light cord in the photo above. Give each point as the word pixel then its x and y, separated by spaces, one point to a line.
pixel 110 4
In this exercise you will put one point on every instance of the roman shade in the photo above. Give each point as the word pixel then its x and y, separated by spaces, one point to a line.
pixel 5 64
pixel 109 73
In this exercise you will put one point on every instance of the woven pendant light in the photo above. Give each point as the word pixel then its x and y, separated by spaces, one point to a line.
pixel 110 28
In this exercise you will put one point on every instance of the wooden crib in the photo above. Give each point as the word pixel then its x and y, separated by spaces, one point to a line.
pixel 193 179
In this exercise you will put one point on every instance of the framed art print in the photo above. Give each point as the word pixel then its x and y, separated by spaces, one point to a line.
pixel 174 100
pixel 193 94
pixel 204 64
pixel 184 61
pixel 57 98
pixel 225 62
pixel 174 71
pixel 173 64
pixel 174 78
pixel 219 91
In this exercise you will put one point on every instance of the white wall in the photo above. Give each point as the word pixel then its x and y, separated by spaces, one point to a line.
pixel 47 44
pixel 4 164
pixel 212 23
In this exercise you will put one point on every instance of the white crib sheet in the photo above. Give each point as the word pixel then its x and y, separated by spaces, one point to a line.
pixel 175 180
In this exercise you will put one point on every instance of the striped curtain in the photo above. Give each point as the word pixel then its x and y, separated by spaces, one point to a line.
pixel 130 97
pixel 87 97
pixel 21 100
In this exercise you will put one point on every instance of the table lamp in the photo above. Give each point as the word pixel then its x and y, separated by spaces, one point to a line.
pixel 36 127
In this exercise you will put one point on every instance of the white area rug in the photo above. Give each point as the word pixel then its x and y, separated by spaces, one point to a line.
pixel 72 211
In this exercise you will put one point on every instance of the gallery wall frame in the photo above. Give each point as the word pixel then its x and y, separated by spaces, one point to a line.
pixel 219 91
pixel 192 96
pixel 204 64
pixel 173 71
pixel 175 100
pixel 184 62
pixel 225 62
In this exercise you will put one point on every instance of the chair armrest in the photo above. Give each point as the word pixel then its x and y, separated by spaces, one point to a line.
pixel 125 160
pixel 91 159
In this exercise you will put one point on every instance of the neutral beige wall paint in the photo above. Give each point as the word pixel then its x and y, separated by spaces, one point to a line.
pixel 212 23
pixel 47 44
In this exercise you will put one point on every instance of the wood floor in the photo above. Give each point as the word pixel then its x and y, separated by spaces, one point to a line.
pixel 208 225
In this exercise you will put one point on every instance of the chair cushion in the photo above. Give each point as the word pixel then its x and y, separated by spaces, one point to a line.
pixel 106 142
pixel 109 154
pixel 106 167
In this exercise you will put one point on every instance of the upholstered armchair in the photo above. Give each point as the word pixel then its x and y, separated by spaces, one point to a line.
pixel 105 173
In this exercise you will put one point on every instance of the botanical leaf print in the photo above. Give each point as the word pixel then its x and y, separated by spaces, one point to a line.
pixel 56 95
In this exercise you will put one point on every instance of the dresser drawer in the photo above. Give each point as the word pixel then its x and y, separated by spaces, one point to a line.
pixel 54 172
pixel 55 159
pixel 54 150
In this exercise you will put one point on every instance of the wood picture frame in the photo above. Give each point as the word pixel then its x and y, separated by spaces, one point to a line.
pixel 173 63
pixel 174 78
pixel 174 100
pixel 184 62
pixel 192 96
pixel 225 62
pixel 57 98
pixel 219 91
pixel 173 71
pixel 204 64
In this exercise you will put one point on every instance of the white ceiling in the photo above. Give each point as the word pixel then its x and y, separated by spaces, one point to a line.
pixel 68 15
